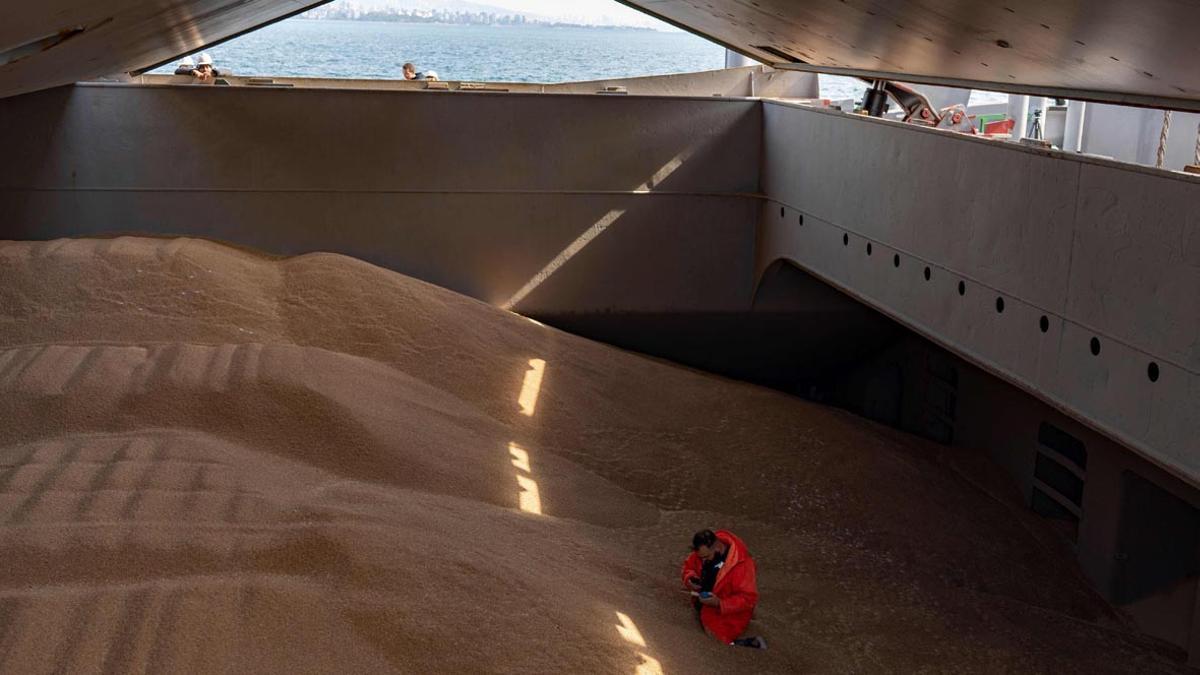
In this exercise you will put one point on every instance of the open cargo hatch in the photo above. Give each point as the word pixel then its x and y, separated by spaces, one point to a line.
pixel 1137 53
pixel 55 42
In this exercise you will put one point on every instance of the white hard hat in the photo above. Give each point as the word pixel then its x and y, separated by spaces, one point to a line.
pixel 205 59
pixel 431 75
pixel 187 62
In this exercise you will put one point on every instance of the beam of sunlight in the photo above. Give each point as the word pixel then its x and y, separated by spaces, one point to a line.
pixel 531 387
pixel 663 173
pixel 529 499
pixel 596 230
pixel 629 630
pixel 648 666
pixel 561 259
pixel 520 457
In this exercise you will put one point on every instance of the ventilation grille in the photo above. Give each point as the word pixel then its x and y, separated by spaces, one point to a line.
pixel 941 399
pixel 1059 473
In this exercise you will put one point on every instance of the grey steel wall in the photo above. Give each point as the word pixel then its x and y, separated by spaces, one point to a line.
pixel 1103 251
pixel 994 415
pixel 476 192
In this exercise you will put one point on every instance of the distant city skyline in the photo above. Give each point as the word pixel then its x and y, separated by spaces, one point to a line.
pixel 598 12
pixel 591 11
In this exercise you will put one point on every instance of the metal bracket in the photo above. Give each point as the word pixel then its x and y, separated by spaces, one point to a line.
pixel 917 108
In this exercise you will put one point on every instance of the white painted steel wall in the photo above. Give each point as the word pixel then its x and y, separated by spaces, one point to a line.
pixel 1103 251
pixel 1131 135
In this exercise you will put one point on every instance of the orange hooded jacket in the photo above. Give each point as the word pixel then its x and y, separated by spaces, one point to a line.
pixel 736 588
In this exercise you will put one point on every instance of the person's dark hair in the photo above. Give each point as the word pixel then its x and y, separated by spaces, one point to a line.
pixel 703 538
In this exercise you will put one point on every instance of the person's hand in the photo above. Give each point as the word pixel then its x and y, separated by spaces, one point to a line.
pixel 710 601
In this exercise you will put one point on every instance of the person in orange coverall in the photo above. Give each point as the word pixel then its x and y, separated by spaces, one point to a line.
pixel 721 578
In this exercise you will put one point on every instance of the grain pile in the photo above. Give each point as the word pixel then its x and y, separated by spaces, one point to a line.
pixel 214 461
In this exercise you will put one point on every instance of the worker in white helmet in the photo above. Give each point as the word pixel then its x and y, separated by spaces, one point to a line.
pixel 186 67
pixel 205 70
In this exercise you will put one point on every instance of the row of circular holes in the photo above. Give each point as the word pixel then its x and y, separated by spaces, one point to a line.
pixel 1152 370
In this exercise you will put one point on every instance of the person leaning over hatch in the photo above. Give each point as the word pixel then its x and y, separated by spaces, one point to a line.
pixel 722 579
pixel 186 67
pixel 205 71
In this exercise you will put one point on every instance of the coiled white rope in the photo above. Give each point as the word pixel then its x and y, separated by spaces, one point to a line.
pixel 1196 161
pixel 1162 139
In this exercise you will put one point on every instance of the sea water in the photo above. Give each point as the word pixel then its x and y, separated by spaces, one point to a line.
pixel 368 49
pixel 377 50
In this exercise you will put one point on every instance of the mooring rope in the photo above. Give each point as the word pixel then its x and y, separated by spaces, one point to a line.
pixel 1162 139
